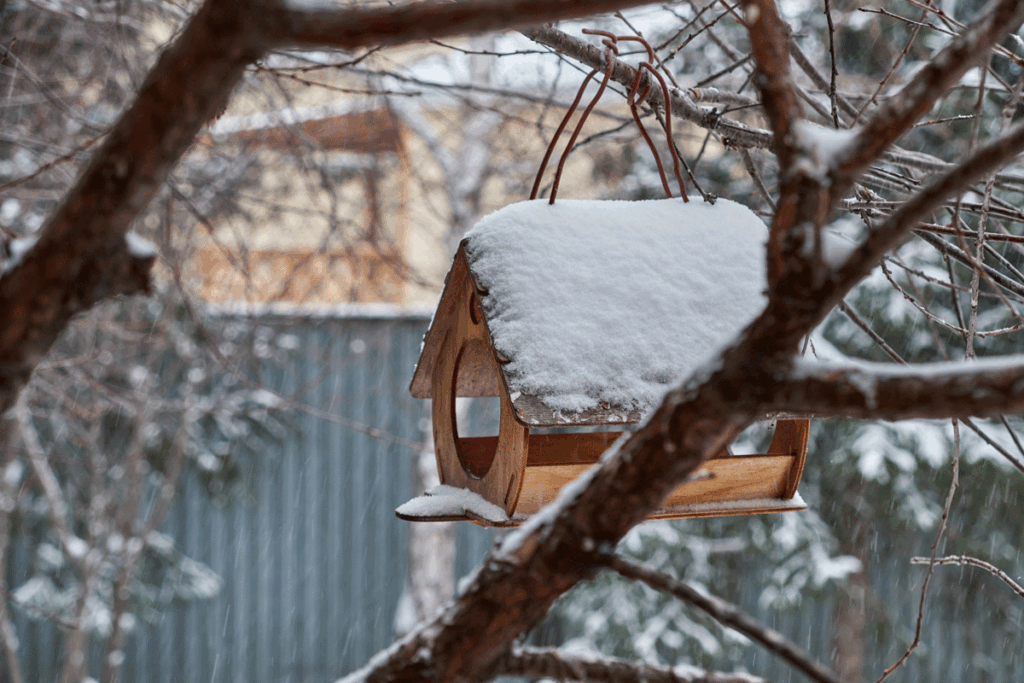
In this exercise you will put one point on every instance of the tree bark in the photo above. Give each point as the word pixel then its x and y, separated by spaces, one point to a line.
pixel 82 256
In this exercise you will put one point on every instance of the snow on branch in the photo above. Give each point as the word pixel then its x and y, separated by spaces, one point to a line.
pixel 985 387
pixel 728 614
pixel 535 663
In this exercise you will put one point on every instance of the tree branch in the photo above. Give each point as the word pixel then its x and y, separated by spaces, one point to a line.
pixel 803 196
pixel 973 562
pixel 726 613
pixel 732 132
pixel 942 72
pixel 411 21
pixel 887 391
pixel 535 663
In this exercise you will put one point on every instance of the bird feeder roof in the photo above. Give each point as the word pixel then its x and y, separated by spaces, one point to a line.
pixel 595 308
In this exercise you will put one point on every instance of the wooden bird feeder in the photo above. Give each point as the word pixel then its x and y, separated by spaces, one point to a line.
pixel 514 293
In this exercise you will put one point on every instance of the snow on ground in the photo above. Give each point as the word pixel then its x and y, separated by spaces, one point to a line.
pixel 614 301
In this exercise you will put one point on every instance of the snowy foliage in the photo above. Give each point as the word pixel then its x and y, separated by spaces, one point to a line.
pixel 187 411
pixel 795 557
pixel 166 576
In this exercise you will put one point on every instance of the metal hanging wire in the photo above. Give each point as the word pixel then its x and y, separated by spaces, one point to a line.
pixel 610 42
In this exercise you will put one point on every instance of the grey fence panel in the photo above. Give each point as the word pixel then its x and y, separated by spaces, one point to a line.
pixel 313 561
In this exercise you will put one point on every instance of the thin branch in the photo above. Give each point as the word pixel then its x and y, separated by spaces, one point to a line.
pixel 989 236
pixel 733 132
pixel 1016 462
pixel 748 163
pixel 819 81
pixel 929 83
pixel 852 314
pixel 726 613
pixel 931 560
pixel 956 253
pixel 979 254
pixel 962 560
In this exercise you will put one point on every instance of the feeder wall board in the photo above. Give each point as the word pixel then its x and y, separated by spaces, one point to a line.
pixel 586 313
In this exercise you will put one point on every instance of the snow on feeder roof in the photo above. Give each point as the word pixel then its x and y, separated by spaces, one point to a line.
pixel 601 306
pixel 585 313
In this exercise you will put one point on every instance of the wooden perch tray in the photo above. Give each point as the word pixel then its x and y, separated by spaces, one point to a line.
pixel 724 486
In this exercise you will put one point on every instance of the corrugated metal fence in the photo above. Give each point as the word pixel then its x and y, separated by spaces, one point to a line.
pixel 313 563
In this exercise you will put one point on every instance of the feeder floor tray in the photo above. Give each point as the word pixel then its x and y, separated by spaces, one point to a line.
pixel 727 485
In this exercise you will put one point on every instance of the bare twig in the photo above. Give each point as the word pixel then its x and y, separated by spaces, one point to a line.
pixel 954 484
pixel 875 337
pixel 748 164
pixel 835 69
pixel 726 613
pixel 967 560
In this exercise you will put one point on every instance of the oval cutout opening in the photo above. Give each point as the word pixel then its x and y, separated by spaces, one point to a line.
pixel 475 421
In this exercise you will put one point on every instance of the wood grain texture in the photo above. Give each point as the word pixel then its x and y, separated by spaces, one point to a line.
pixel 477 371
pixel 462 353
pixel 791 438
pixel 532 412
pixel 735 478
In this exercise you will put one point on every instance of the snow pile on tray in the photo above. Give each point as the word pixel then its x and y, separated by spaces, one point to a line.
pixel 451 501
pixel 612 301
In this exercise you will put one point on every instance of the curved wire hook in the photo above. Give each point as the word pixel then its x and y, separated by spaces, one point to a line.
pixel 558 133
pixel 610 47
pixel 633 105
pixel 611 51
